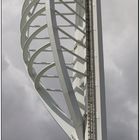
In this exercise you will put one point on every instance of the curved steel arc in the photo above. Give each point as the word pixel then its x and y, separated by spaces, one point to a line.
pixel 32 59
pixel 25 4
pixel 65 122
pixel 25 27
pixel 26 12
pixel 55 111
pixel 62 71
pixel 27 43
pixel 53 108
pixel 72 126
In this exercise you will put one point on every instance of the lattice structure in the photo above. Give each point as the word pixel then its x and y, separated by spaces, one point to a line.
pixel 62 48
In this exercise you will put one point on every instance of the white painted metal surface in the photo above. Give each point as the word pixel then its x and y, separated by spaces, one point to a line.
pixel 53 39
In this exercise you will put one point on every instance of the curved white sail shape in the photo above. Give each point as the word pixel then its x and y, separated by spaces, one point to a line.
pixel 54 42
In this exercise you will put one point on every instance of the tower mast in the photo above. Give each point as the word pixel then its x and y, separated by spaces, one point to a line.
pixel 91 91
pixel 96 112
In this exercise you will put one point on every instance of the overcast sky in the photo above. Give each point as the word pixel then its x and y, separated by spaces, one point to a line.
pixel 23 114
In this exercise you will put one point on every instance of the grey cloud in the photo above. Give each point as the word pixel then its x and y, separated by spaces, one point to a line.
pixel 4 65
pixel 121 70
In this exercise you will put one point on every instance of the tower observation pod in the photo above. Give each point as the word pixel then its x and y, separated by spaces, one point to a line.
pixel 62 49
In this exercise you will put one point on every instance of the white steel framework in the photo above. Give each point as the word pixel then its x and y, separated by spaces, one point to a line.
pixel 62 48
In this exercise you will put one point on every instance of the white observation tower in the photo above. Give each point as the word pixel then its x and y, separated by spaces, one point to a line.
pixel 63 51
